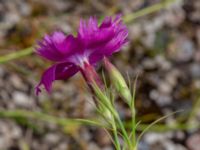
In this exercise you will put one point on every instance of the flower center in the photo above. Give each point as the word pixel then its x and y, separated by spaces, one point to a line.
pixel 80 60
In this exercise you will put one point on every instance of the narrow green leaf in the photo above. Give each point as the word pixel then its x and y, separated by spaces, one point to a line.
pixel 15 55
pixel 153 123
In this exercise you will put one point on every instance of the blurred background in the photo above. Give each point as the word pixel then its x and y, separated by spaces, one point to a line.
pixel 164 49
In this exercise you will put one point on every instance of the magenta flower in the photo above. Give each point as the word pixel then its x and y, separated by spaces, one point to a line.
pixel 72 54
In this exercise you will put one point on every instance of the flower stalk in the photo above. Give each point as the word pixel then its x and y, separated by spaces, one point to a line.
pixel 90 75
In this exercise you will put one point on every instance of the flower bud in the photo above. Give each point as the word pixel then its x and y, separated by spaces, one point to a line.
pixel 118 80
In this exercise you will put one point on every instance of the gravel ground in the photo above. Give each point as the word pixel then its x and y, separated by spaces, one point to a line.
pixel 164 49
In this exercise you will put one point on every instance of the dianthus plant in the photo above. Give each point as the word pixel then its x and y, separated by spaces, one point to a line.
pixel 73 54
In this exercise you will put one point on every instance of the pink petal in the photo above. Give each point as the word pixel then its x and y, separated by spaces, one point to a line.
pixel 104 44
pixel 59 71
pixel 56 47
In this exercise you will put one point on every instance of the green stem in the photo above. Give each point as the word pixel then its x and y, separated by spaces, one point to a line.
pixel 107 104
pixel 129 18
pixel 194 111
pixel 126 138
pixel 165 128
pixel 133 126
pixel 133 113
pixel 116 140
pixel 64 121
pixel 15 55
pixel 46 118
